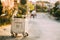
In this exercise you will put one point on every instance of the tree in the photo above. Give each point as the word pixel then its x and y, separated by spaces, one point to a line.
pixel 23 2
pixel 57 3
pixel 1 7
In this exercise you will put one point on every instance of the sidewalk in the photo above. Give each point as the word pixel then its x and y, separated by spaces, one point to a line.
pixel 5 30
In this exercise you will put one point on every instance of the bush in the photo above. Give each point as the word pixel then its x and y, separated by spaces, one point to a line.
pixel 23 2
pixel 51 11
pixel 1 7
pixel 57 13
pixel 38 8
pixel 4 20
pixel 22 10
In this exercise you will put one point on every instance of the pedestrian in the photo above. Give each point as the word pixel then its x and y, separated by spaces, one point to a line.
pixel 33 13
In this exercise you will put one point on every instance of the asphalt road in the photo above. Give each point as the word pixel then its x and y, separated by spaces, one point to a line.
pixel 39 28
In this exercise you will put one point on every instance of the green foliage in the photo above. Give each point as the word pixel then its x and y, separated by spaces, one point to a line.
pixel 1 8
pixel 57 13
pixel 23 2
pixel 23 10
pixel 57 3
pixel 4 20
pixel 38 7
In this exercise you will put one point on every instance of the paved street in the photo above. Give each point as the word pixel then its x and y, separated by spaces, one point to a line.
pixel 40 28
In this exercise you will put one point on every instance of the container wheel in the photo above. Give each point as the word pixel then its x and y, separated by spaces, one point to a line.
pixel 12 34
pixel 16 34
pixel 25 34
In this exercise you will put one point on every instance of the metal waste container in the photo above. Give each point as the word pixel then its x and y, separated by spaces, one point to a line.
pixel 18 27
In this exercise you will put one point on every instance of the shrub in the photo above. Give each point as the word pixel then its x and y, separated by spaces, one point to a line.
pixel 23 2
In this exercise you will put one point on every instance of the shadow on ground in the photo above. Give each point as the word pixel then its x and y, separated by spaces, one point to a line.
pixel 5 37
pixel 13 38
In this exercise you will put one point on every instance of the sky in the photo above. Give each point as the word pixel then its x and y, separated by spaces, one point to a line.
pixel 33 0
pixel 52 1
